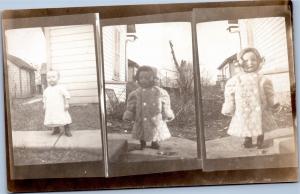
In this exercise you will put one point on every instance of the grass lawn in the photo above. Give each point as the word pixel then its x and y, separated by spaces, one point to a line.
pixel 30 117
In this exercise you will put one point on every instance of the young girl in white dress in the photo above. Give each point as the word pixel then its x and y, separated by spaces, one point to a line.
pixel 249 99
pixel 56 105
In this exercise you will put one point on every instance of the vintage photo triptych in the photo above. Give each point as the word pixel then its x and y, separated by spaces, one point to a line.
pixel 207 89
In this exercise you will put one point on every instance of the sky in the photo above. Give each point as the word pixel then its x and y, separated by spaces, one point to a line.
pixel 152 46
pixel 215 44
pixel 28 44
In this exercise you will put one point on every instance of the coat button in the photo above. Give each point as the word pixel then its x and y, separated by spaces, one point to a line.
pixel 144 103
pixel 145 119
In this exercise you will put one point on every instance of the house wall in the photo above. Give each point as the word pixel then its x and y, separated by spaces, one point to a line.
pixel 114 38
pixel 269 37
pixel 71 51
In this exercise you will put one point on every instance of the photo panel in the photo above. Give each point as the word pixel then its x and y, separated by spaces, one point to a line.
pixel 247 88
pixel 151 126
pixel 52 97
pixel 144 88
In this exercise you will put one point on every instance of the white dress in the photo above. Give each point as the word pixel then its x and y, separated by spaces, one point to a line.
pixel 54 104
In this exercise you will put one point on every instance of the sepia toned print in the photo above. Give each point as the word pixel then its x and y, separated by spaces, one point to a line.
pixel 149 89
pixel 53 97
pixel 248 84
pixel 180 95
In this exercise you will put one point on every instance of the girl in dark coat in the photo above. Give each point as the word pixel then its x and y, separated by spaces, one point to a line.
pixel 149 107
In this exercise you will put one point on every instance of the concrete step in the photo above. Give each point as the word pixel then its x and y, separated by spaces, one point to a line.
pixel 284 145
pixel 173 148
pixel 277 141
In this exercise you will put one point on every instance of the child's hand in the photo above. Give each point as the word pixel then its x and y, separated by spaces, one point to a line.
pixel 67 106
pixel 126 117
pixel 276 108
pixel 168 118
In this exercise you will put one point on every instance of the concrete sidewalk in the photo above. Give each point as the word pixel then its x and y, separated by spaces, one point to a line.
pixel 85 139
pixel 89 140
pixel 278 141
pixel 121 147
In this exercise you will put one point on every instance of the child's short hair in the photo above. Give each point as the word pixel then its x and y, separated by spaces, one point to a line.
pixel 247 50
pixel 153 70
pixel 57 72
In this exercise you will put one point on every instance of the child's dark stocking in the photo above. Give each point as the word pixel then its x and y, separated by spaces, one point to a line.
pixel 67 130
pixel 260 141
pixel 55 131
pixel 143 144
pixel 155 145
pixel 248 142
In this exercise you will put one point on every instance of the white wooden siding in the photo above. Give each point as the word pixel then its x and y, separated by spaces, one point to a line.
pixel 110 48
pixel 72 53
pixel 269 37
pixel 110 45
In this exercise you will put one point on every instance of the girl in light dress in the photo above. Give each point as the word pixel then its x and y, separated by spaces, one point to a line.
pixel 56 105
pixel 249 99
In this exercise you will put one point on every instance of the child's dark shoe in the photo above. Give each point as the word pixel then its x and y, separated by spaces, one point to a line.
pixel 56 131
pixel 260 141
pixel 143 144
pixel 248 142
pixel 68 131
pixel 155 145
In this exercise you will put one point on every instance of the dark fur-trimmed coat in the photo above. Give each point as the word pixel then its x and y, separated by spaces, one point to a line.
pixel 150 109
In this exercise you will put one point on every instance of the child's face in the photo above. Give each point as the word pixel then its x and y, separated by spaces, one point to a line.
pixel 250 62
pixel 52 78
pixel 146 79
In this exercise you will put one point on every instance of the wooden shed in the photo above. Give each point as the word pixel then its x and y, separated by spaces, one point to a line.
pixel 21 78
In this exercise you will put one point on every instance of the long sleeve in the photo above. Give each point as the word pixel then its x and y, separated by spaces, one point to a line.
pixel 167 112
pixel 228 107
pixel 269 92
pixel 129 113
pixel 65 92
pixel 44 99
